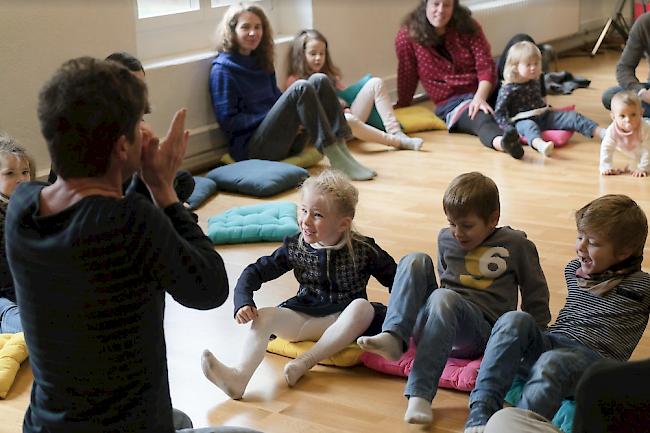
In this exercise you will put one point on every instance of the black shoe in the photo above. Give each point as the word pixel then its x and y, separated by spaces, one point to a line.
pixel 184 185
pixel 511 144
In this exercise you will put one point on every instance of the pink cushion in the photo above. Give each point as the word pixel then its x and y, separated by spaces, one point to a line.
pixel 558 136
pixel 458 373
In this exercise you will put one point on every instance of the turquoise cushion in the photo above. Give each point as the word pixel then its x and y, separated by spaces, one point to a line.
pixel 257 177
pixel 254 223
pixel 563 418
pixel 204 188
pixel 349 93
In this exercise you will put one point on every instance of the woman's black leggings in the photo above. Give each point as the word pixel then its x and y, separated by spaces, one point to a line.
pixel 482 125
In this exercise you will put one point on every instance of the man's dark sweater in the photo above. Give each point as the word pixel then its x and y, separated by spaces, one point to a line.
pixel 91 283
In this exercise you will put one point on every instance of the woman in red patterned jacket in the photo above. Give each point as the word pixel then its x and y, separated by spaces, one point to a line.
pixel 443 47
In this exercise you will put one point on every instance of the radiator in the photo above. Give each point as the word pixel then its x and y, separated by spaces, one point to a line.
pixel 544 20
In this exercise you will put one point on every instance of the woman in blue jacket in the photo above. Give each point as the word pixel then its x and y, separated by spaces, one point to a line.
pixel 261 122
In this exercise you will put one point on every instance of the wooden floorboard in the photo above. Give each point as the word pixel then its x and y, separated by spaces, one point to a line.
pixel 402 210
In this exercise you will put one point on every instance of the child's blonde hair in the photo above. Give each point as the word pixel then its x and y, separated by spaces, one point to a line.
pixel 297 61
pixel 9 146
pixel 342 197
pixel 618 218
pixel 227 37
pixel 628 98
pixel 471 193
pixel 520 52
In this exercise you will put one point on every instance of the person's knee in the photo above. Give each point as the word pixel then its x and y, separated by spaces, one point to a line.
pixel 352 119
pixel 318 78
pixel 375 83
pixel 362 309
pixel 301 86
pixel 517 321
pixel 444 302
pixel 265 319
pixel 416 263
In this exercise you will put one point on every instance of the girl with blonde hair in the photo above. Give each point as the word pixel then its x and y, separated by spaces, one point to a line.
pixel 332 263
pixel 520 102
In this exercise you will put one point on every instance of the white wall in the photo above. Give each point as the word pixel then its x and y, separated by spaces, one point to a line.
pixel 35 38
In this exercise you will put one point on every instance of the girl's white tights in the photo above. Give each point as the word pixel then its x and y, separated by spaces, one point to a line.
pixel 331 333
pixel 374 94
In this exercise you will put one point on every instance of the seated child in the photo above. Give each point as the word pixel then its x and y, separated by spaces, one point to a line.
pixel 481 270
pixel 310 55
pixel 629 133
pixel 332 263
pixel 520 102
pixel 605 314
pixel 14 169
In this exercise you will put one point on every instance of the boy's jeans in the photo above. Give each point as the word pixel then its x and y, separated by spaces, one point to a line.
pixel 550 363
pixel 441 321
pixel 9 317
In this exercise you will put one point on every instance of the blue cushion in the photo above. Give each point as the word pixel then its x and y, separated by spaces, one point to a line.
pixel 563 418
pixel 254 223
pixel 258 177
pixel 203 189
pixel 349 93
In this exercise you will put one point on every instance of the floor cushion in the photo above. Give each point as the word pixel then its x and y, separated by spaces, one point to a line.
pixel 350 93
pixel 348 357
pixel 558 136
pixel 204 188
pixel 308 157
pixel 264 222
pixel 458 373
pixel 13 351
pixel 258 177
pixel 563 418
pixel 417 118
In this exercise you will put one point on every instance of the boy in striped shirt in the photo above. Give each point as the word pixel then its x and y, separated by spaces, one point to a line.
pixel 605 284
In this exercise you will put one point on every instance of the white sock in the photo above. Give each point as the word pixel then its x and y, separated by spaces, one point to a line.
pixel 418 411
pixel 296 369
pixel 543 147
pixel 383 344
pixel 227 379
pixel 409 143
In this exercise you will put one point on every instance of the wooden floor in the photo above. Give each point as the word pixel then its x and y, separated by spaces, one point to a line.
pixel 402 210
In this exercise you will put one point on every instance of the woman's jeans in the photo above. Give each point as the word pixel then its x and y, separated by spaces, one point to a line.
pixel 308 110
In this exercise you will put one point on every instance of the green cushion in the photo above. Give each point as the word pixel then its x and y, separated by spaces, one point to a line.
pixel 349 93
pixel 255 223
pixel 563 418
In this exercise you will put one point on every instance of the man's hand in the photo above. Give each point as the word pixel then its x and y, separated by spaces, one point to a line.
pixel 161 159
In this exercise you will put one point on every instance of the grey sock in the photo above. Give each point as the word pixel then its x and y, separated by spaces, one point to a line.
pixel 342 160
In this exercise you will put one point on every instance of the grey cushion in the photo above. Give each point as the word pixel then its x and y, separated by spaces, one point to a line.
pixel 257 177
pixel 204 188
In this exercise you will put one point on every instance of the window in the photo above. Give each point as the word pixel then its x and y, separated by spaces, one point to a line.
pixel 156 8
pixel 176 28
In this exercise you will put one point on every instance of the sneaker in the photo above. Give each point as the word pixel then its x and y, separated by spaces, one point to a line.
pixel 479 414
pixel 511 144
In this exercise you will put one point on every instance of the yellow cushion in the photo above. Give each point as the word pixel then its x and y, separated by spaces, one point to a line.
pixel 13 351
pixel 305 159
pixel 348 357
pixel 417 118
